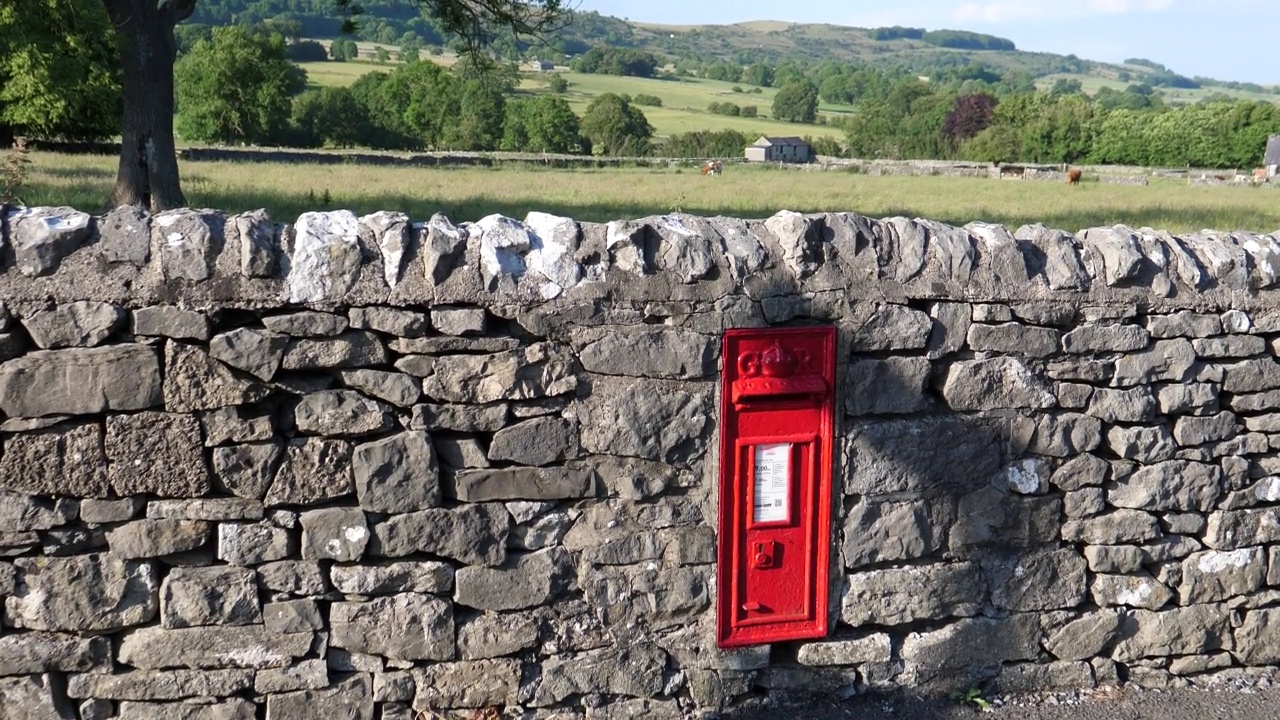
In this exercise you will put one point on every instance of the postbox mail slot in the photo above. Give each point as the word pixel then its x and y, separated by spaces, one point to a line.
pixel 775 485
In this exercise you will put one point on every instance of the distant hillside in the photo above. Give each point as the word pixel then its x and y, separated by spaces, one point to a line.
pixel 919 50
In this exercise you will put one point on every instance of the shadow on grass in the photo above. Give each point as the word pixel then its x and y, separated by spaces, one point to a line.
pixel 84 173
pixel 91 192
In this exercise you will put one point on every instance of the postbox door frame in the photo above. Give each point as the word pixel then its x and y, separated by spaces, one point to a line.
pixel 810 498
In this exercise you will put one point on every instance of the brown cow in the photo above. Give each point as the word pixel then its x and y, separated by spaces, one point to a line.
pixel 713 167
pixel 1074 175
pixel 1260 174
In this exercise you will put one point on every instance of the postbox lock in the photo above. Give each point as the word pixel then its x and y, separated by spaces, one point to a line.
pixel 764 554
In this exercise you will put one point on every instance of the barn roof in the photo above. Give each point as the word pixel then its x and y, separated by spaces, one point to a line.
pixel 1273 151
pixel 771 141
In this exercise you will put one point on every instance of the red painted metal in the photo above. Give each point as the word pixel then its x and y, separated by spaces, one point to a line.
pixel 776 444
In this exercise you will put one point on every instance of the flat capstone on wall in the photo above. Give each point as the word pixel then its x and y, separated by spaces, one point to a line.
pixel 371 468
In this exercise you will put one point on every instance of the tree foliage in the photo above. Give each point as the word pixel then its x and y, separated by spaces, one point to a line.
pixel 616 61
pixel 706 144
pixel 236 87
pixel 59 71
pixel 964 40
pixel 970 115
pixel 614 127
pixel 796 102
pixel 328 116
pixel 544 124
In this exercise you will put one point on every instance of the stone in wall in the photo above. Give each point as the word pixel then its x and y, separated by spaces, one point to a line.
pixel 253 351
pixel 341 413
pixel 471 534
pixel 893 327
pixel 878 532
pixel 902 596
pixel 467 684
pixel 952 454
pixel 1174 485
pixel 646 420
pixel 968 652
pixel 157 453
pixel 427 622
pixel 530 581
pixel 77 324
pixel 213 647
pixel 189 242
pixel 537 371
pixel 52 594
pixel 195 381
pixel 31 696
pixel 246 470
pixel 339 534
pixel 997 384
pixel 634 671
pixel 124 235
pixel 313 470
pixel 355 349
pixel 326 258
pixel 398 474
pixel 351 697
pixel 42 237
pixel 1184 631
pixel 895 386
pixel 80 381
pixel 652 353
pixel 34 653
pixel 259 243
pixel 65 460
pixel 1038 581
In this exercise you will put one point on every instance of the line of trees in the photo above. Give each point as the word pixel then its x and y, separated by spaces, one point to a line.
pixel 914 120
pixel 616 61
pixel 237 86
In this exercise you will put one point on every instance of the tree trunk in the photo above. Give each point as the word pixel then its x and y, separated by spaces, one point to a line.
pixel 148 174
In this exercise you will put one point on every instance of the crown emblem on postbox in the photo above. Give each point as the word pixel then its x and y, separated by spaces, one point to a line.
pixel 777 372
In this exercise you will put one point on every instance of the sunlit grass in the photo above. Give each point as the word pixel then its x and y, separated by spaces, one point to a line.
pixel 602 195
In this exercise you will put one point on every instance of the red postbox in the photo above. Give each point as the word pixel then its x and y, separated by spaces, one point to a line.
pixel 776 444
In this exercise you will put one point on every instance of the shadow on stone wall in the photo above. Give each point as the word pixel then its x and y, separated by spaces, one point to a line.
pixel 949 551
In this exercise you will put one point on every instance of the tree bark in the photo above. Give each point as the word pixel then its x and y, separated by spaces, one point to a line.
pixel 148 172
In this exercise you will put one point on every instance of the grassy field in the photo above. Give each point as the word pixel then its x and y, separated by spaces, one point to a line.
pixel 684 101
pixel 601 195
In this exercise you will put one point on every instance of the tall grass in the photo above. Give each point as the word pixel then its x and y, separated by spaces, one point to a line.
pixel 602 195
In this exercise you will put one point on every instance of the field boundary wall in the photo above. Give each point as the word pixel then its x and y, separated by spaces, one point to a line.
pixel 373 467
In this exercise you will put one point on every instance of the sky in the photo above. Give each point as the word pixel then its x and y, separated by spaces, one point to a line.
pixel 1223 39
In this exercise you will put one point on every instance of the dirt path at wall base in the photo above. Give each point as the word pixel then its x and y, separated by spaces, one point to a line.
pixel 1186 704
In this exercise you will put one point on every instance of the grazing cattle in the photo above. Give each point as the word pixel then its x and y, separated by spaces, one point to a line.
pixel 715 167
pixel 1260 174
pixel 1074 175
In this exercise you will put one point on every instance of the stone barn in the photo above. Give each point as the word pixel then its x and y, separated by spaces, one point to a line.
pixel 780 149
pixel 1272 159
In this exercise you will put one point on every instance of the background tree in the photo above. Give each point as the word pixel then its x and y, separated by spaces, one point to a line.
pixel 796 102
pixel 344 50
pixel 59 77
pixel 237 87
pixel 478 122
pixel 970 115
pixel 615 127
pixel 328 116
pixel 148 172
pixel 551 126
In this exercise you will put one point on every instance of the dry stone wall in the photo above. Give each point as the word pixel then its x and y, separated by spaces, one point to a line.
pixel 367 467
